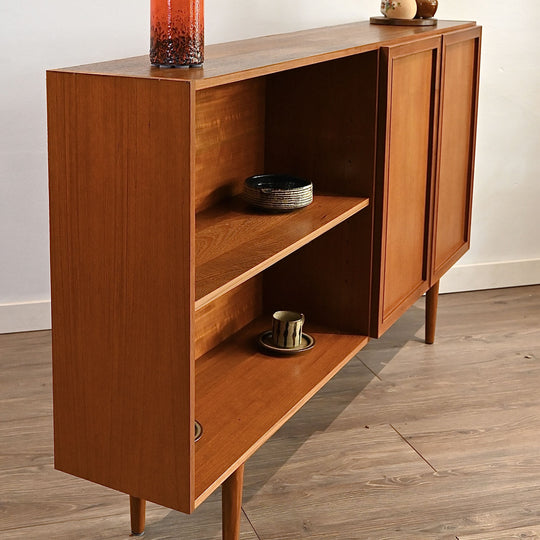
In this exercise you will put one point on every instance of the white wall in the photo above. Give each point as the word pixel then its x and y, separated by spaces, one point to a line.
pixel 37 35
pixel 505 239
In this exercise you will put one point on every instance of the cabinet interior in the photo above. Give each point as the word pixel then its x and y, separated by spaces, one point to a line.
pixel 317 122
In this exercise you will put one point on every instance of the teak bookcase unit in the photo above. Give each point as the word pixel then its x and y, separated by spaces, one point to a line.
pixel 162 278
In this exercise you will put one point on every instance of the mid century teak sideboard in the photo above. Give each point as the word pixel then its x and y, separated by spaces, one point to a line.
pixel 162 278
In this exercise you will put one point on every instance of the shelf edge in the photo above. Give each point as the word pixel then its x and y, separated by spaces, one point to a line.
pixel 263 265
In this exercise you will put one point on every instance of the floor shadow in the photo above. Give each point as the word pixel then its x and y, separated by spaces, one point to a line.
pixel 314 417
pixel 410 327
pixel 330 402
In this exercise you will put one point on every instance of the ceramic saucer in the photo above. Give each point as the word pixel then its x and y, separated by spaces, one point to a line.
pixel 266 343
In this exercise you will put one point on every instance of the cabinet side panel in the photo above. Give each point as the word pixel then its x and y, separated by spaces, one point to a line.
pixel 407 186
pixel 122 289
pixel 454 187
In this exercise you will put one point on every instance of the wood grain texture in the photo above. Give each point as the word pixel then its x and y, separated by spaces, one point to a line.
pixel 409 94
pixel 163 524
pixel 327 490
pixel 457 135
pixel 40 502
pixel 221 318
pixel 234 242
pixel 321 125
pixel 319 281
pixel 28 439
pixel 146 230
pixel 512 533
pixel 469 404
pixel 239 60
pixel 238 414
pixel 23 399
pixel 43 503
pixel 432 299
pixel 453 402
pixel 229 139
pixel 122 287
pixel 231 498
pixel 137 510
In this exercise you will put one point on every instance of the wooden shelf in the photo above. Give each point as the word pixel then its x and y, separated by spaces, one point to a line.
pixel 234 242
pixel 236 60
pixel 238 414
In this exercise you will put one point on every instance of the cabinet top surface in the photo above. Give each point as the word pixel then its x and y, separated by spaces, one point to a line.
pixel 237 60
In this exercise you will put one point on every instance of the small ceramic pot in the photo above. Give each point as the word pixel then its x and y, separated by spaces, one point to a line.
pixel 287 329
pixel 399 9
pixel 426 8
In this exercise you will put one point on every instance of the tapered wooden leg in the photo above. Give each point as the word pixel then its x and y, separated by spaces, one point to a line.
pixel 432 298
pixel 137 509
pixel 231 504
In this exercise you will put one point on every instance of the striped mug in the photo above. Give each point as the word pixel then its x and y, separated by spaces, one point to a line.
pixel 287 329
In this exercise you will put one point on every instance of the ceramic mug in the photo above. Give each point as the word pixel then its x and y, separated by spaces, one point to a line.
pixel 287 329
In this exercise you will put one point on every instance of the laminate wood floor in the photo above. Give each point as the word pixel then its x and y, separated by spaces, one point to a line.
pixel 409 441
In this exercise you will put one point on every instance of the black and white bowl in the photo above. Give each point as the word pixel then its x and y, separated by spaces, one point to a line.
pixel 278 192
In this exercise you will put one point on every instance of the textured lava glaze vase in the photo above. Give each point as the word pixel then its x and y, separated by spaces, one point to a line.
pixel 398 9
pixel 426 8
pixel 177 33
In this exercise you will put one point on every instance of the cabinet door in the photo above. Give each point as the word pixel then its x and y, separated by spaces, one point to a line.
pixel 408 104
pixel 457 129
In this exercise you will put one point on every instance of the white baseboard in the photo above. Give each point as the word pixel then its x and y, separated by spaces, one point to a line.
pixel 25 317
pixel 28 316
pixel 497 275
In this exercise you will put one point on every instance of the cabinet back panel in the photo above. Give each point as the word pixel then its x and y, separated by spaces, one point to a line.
pixel 321 123
pixel 325 280
pixel 409 140
pixel 227 314
pixel 122 287
pixel 455 171
pixel 229 139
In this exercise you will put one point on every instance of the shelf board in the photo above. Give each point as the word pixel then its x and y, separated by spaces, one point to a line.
pixel 242 396
pixel 234 242
pixel 237 60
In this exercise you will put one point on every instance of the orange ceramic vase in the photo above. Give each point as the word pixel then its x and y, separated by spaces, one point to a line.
pixel 177 33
